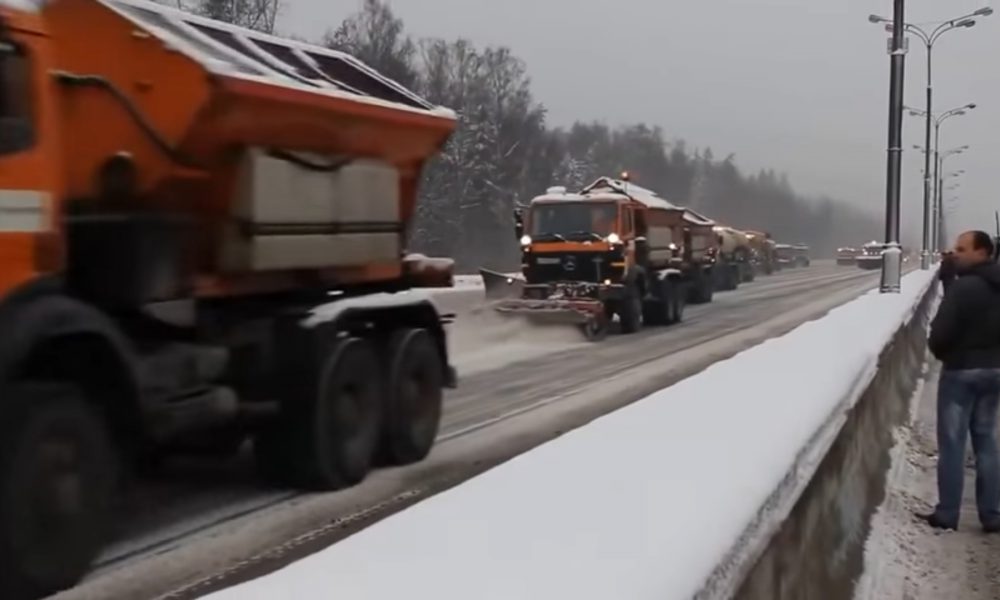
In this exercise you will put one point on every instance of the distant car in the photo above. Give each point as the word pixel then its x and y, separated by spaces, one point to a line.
pixel 847 256
pixel 871 256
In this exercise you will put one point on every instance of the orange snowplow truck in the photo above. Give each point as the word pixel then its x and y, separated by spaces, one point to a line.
pixel 202 241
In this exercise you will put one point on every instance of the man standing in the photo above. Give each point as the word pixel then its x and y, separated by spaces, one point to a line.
pixel 965 337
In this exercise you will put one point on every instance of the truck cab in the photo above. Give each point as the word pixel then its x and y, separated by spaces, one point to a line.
pixel 580 238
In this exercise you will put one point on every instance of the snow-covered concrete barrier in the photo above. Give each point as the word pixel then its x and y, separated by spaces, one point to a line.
pixel 818 551
pixel 678 495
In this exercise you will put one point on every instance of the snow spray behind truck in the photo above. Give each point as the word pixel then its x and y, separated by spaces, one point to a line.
pixel 202 237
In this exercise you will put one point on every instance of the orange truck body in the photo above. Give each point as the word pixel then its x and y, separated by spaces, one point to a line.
pixel 185 76
pixel 203 235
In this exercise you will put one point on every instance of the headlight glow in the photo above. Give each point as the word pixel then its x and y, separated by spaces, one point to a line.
pixel 525 240
pixel 613 238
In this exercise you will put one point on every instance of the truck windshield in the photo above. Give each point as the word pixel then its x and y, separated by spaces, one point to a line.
pixel 569 220
pixel 16 133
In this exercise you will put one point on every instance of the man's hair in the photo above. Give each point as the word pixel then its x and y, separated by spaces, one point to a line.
pixel 982 241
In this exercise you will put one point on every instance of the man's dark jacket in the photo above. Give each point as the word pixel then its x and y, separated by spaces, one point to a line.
pixel 947 271
pixel 965 333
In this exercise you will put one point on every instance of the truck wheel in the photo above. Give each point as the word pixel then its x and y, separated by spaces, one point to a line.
pixel 57 481
pixel 414 399
pixel 595 329
pixel 678 304
pixel 656 310
pixel 630 310
pixel 706 290
pixel 332 428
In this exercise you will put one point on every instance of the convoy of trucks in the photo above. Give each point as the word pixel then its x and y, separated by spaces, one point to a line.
pixel 202 236
pixel 615 249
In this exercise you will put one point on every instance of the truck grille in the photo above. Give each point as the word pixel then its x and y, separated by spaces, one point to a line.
pixel 572 266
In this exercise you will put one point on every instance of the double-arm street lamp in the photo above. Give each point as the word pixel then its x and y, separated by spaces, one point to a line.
pixel 941 241
pixel 929 38
pixel 936 199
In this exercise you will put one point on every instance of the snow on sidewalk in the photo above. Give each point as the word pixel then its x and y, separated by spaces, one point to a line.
pixel 908 560
pixel 642 503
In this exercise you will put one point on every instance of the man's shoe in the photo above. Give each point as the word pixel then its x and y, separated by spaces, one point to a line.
pixel 936 522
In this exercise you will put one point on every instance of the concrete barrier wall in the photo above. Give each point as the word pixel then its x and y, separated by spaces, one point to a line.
pixel 818 551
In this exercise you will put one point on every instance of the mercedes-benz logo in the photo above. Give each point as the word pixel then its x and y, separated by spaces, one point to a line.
pixel 569 263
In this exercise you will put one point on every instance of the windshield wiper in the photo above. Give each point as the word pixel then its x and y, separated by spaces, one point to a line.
pixel 549 235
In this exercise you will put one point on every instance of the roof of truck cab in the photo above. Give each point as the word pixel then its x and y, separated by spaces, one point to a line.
pixel 613 188
pixel 231 51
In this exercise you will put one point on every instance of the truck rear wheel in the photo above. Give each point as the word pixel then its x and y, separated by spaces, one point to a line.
pixel 414 399
pixel 658 309
pixel 57 481
pixel 331 425
pixel 630 310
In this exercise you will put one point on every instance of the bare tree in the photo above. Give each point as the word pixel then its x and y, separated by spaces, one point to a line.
pixel 376 36
pixel 259 15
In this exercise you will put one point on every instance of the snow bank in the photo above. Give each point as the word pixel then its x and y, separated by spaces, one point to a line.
pixel 642 503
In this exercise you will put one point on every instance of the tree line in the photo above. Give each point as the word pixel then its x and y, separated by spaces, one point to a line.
pixel 504 152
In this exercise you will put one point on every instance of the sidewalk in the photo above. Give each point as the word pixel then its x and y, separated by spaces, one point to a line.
pixel 908 560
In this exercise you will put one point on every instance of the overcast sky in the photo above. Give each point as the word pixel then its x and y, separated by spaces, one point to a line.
pixel 797 85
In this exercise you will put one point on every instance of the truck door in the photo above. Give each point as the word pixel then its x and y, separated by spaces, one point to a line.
pixel 29 242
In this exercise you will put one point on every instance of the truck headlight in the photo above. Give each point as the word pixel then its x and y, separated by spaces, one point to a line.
pixel 613 238
pixel 525 240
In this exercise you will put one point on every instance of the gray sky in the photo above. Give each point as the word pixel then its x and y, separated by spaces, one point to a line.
pixel 797 85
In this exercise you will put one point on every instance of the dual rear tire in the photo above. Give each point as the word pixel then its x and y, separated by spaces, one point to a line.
pixel 352 404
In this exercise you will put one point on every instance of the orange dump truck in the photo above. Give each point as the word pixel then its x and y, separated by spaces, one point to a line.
pixel 202 241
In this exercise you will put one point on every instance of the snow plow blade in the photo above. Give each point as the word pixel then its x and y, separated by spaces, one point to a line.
pixel 501 285
pixel 587 316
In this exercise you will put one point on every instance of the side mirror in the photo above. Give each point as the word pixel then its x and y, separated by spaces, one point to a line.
pixel 518 223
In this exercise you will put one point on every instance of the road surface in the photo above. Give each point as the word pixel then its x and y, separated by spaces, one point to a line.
pixel 204 525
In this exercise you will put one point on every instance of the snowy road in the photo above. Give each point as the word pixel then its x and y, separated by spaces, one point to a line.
pixel 207 525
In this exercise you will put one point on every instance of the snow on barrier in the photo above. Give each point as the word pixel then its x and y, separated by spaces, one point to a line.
pixel 678 495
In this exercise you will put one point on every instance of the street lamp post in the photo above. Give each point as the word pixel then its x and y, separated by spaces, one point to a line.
pixel 936 200
pixel 892 256
pixel 941 242
pixel 928 39
pixel 937 138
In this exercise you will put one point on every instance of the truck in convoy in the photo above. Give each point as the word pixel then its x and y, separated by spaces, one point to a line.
pixel 202 236
pixel 870 257
pixel 800 255
pixel 847 255
pixel 784 256
pixel 613 248
pixel 765 261
pixel 699 257
pixel 735 255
